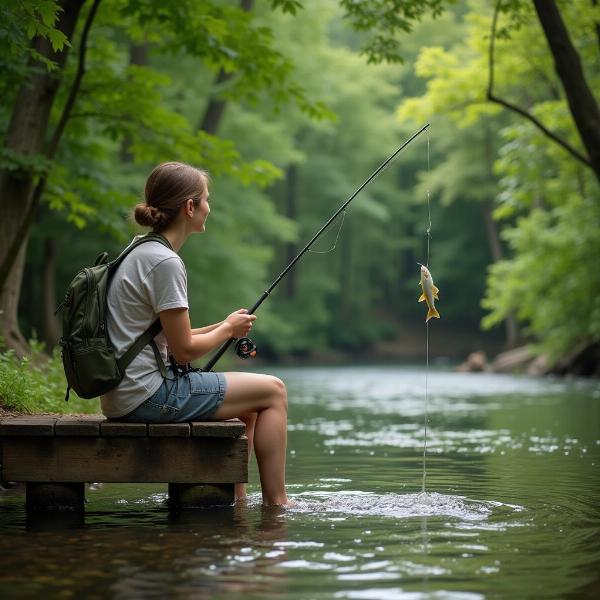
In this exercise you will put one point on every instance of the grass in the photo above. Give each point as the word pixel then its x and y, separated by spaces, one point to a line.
pixel 37 384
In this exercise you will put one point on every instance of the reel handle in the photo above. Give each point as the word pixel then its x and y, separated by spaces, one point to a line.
pixel 245 348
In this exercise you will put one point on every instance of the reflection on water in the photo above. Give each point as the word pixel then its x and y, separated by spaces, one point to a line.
pixel 511 509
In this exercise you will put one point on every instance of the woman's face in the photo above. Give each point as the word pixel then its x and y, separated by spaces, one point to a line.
pixel 201 212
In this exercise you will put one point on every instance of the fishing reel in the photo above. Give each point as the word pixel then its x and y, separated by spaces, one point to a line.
pixel 245 348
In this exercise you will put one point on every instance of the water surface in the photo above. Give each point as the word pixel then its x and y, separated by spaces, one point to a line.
pixel 511 508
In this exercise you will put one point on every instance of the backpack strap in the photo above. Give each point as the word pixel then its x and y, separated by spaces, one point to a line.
pixel 146 338
pixel 149 237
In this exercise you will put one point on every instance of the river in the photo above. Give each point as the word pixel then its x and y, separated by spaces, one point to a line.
pixel 511 508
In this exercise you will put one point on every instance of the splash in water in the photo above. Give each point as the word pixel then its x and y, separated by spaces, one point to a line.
pixel 399 506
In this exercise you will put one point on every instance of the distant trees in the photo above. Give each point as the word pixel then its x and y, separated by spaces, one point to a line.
pixel 275 100
pixel 542 124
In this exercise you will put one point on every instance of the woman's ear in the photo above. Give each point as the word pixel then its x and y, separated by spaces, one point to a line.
pixel 189 207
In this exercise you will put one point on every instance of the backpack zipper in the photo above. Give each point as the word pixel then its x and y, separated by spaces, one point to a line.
pixel 66 301
pixel 101 308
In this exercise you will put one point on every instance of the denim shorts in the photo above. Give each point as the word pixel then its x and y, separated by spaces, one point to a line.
pixel 195 396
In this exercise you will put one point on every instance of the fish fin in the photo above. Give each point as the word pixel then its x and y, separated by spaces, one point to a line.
pixel 435 295
pixel 422 298
pixel 436 290
pixel 432 312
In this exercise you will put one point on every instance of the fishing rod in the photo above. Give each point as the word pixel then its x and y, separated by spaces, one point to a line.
pixel 247 346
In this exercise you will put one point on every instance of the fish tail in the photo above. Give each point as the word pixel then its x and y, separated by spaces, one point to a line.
pixel 432 312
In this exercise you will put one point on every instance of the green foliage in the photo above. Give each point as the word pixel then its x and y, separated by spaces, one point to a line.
pixel 289 6
pixel 19 23
pixel 540 192
pixel 37 384
pixel 386 20
pixel 552 281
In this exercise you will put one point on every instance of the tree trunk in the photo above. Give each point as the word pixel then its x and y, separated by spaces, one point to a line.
pixel 10 331
pixel 511 326
pixel 50 322
pixel 491 228
pixel 215 108
pixel 510 322
pixel 138 55
pixel 26 136
pixel 213 115
pixel 582 103
pixel 291 177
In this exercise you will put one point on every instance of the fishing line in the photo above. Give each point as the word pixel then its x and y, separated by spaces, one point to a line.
pixel 213 361
pixel 336 239
pixel 427 326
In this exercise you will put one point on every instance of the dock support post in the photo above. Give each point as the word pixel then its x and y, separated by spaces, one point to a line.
pixel 54 496
pixel 200 495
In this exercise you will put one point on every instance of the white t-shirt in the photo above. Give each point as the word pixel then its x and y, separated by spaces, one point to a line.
pixel 150 279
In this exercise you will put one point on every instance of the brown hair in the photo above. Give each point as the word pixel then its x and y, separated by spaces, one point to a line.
pixel 168 187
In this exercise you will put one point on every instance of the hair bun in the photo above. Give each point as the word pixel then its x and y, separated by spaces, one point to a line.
pixel 148 216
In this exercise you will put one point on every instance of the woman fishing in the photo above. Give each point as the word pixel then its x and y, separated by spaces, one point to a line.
pixel 151 281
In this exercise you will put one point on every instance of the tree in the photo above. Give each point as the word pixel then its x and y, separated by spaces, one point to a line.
pixel 384 20
pixel 222 36
pixel 25 141
pixel 541 190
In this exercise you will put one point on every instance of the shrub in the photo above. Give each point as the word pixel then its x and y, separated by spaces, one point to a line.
pixel 37 384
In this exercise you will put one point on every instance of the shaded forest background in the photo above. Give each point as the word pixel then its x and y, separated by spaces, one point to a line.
pixel 290 105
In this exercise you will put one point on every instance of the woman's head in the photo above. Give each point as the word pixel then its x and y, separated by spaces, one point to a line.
pixel 168 188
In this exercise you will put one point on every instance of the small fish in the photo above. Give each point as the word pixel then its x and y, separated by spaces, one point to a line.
pixel 430 293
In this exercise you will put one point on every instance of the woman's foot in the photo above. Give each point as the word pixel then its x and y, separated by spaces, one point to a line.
pixel 287 503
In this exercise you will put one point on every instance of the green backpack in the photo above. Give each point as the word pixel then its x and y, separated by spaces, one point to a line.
pixel 89 360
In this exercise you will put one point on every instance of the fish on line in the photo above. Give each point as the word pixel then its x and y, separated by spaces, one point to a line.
pixel 429 293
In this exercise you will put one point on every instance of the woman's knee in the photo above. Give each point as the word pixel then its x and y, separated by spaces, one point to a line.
pixel 278 392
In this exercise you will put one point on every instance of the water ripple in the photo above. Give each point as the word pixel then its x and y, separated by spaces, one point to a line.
pixel 399 506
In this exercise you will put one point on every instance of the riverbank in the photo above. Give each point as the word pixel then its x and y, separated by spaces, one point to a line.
pixel 447 345
pixel 466 349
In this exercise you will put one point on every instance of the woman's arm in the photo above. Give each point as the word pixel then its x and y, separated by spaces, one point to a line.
pixel 206 329
pixel 186 346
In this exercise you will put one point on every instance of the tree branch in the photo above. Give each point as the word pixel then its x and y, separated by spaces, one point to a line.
pixel 520 111
pixel 582 103
pixel 75 86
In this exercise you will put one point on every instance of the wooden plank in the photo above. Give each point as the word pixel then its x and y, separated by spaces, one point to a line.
pixel 233 428
pixel 125 459
pixel 75 425
pixel 28 425
pixel 118 429
pixel 169 430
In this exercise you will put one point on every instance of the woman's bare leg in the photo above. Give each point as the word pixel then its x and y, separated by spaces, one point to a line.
pixel 265 395
pixel 250 421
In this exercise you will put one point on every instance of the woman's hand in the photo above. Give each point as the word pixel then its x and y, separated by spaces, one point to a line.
pixel 187 346
pixel 240 322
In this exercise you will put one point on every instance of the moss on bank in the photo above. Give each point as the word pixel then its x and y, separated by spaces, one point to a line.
pixel 37 384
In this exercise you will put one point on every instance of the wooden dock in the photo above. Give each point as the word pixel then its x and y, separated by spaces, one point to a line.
pixel 56 455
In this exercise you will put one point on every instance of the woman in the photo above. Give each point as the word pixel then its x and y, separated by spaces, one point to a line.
pixel 152 281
